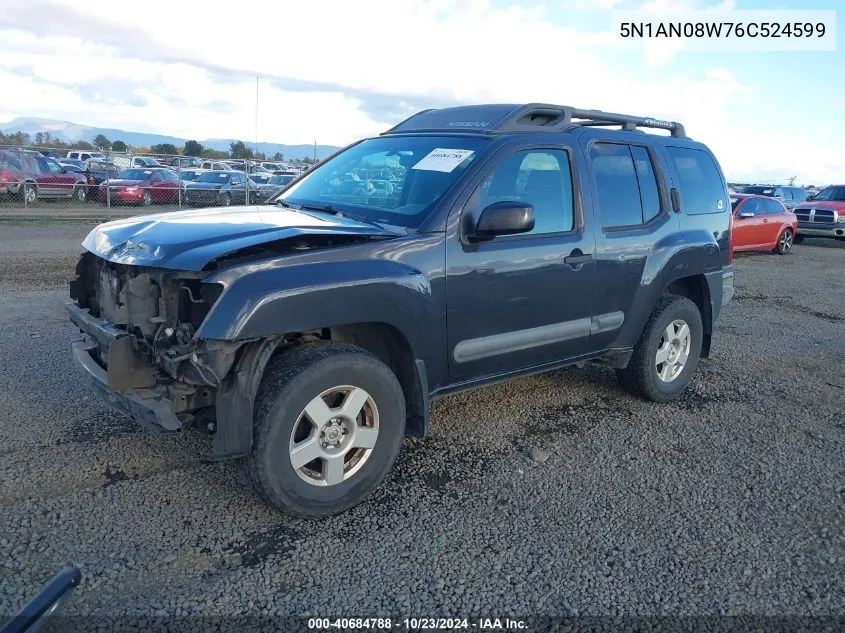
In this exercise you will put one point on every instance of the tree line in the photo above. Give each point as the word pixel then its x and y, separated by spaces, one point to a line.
pixel 237 149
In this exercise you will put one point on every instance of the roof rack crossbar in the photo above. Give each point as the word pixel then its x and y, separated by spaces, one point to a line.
pixel 531 117
pixel 557 117
pixel 631 122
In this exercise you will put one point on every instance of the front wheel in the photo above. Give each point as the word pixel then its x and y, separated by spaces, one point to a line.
pixel 784 244
pixel 225 200
pixel 146 198
pixel 80 194
pixel 329 421
pixel 666 356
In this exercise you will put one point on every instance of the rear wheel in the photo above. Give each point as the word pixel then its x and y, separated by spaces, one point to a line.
pixel 666 356
pixel 784 244
pixel 80 194
pixel 29 193
pixel 329 421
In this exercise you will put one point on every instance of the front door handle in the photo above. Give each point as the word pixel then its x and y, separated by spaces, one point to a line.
pixel 576 258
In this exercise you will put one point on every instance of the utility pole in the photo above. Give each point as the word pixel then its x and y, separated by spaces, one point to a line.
pixel 256 115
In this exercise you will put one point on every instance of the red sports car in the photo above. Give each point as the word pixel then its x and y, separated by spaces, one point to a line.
pixel 762 224
pixel 141 186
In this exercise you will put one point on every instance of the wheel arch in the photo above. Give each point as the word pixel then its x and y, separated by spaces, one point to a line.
pixel 235 398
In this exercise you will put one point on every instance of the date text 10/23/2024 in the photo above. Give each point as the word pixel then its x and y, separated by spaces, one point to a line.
pixel 418 624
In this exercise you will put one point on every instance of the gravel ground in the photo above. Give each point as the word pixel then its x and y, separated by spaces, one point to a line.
pixel 729 502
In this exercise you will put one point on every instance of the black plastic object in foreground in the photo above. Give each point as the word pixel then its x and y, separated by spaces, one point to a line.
pixel 33 616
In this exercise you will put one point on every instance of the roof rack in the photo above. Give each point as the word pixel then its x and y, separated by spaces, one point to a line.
pixel 532 117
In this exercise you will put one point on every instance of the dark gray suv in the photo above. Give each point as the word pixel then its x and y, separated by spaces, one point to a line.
pixel 464 247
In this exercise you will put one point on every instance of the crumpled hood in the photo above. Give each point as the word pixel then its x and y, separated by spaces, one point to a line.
pixel 188 240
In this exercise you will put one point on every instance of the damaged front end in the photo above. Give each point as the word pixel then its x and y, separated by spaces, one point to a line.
pixel 139 347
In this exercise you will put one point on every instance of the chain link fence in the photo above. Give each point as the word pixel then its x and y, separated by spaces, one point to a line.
pixel 37 182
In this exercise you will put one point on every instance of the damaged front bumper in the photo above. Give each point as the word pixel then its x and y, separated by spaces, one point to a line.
pixel 151 405
pixel 146 406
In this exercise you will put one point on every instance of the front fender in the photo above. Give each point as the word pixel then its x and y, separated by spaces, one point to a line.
pixel 262 300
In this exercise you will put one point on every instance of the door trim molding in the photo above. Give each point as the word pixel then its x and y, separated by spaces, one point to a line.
pixel 496 344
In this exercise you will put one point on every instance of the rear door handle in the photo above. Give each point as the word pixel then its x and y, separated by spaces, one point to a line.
pixel 577 260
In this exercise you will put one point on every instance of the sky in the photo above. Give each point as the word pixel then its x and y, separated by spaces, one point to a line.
pixel 333 71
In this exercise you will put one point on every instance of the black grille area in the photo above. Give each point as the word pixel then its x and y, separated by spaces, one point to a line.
pixel 816 216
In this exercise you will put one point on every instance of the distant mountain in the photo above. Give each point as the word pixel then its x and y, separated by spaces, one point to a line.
pixel 70 132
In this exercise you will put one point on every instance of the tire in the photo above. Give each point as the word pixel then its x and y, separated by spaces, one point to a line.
pixel 146 199
pixel 641 377
pixel 784 243
pixel 80 194
pixel 29 193
pixel 225 200
pixel 294 380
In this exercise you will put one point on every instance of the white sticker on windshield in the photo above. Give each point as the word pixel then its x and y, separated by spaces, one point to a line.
pixel 443 159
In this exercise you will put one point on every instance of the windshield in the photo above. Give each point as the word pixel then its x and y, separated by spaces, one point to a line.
pixel 279 180
pixel 135 174
pixel 214 176
pixel 394 180
pixel 760 191
pixel 836 194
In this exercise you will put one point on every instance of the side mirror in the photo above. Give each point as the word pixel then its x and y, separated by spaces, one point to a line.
pixel 745 214
pixel 812 197
pixel 505 218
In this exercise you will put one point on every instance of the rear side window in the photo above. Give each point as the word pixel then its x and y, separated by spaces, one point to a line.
pixel 772 206
pixel 626 184
pixel 702 188
pixel 799 195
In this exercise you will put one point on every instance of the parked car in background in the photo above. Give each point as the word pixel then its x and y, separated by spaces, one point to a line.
pixel 85 155
pixel 261 179
pixel 273 167
pixel 788 195
pixel 185 162
pixel 144 161
pixel 72 164
pixel 221 188
pixel 190 175
pixel 762 223
pixel 98 171
pixel 216 165
pixel 30 176
pixel 141 186
pixel 274 185
pixel 823 215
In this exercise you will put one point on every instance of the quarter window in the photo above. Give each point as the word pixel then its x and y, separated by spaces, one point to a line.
pixel 543 179
pixel 702 187
pixel 626 184
pixel 772 206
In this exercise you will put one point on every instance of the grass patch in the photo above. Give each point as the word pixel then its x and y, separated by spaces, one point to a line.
pixel 50 220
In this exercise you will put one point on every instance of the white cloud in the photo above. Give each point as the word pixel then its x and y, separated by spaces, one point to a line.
pixel 342 70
